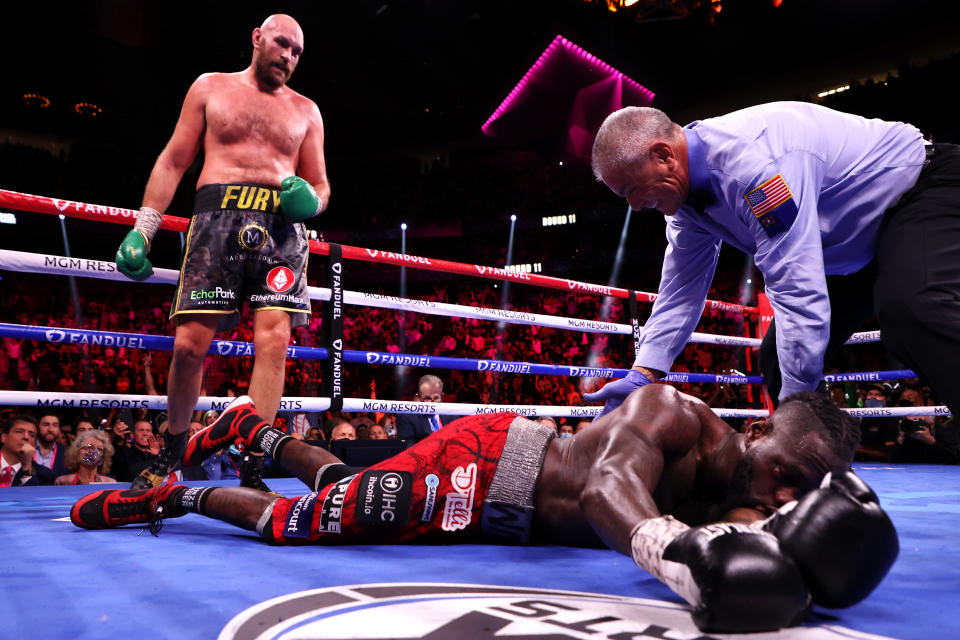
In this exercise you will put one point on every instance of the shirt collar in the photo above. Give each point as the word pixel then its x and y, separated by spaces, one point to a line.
pixel 696 159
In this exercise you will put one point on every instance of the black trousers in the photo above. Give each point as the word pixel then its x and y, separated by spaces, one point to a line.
pixel 913 285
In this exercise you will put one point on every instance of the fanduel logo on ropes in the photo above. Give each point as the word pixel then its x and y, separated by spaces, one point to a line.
pixel 80 337
pixel 402 257
pixel 389 358
pixel 502 367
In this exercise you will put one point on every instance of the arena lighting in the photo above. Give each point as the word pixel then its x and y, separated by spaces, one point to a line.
pixel 746 289
pixel 505 292
pixel 824 94
pixel 558 47
pixel 74 293
pixel 613 282
pixel 8 218
pixel 36 100
pixel 658 10
pixel 399 371
pixel 87 109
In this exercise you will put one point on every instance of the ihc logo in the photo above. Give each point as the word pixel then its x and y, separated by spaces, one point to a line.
pixel 478 612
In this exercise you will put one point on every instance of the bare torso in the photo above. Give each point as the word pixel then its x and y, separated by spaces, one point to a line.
pixel 251 135
pixel 689 487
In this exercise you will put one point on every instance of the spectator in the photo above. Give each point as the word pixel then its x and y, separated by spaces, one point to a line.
pixel 547 421
pixel 415 427
pixel 343 431
pixel 877 434
pixel 17 468
pixel 121 434
pixel 839 396
pixel 566 430
pixel 921 439
pixel 140 454
pixel 50 453
pixel 581 425
pixel 377 432
pixel 88 459
pixel 82 425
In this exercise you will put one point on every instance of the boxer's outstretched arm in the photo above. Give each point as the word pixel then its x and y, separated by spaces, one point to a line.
pixel 182 148
pixel 654 422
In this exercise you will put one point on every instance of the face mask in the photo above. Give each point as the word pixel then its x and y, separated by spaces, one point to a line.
pixel 92 457
pixel 873 403
pixel 564 436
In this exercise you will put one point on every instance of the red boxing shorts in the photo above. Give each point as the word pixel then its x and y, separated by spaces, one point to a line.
pixel 240 247
pixel 471 480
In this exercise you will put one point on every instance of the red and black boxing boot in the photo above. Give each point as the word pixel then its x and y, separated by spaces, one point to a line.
pixel 110 508
pixel 239 424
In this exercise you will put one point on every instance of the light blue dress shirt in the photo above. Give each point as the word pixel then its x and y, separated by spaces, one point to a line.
pixel 843 171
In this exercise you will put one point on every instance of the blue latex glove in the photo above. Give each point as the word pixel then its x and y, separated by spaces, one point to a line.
pixel 614 393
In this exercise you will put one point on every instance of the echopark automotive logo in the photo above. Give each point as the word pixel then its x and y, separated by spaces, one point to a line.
pixel 476 612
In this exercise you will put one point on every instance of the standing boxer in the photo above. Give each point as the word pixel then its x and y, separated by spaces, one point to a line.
pixel 263 174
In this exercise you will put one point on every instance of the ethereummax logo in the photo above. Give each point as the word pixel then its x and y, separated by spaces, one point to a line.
pixel 479 612
pixel 280 279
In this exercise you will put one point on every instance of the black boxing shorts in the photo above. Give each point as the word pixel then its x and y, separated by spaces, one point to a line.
pixel 240 247
pixel 473 480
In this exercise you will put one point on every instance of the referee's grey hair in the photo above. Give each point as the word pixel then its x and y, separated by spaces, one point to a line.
pixel 626 136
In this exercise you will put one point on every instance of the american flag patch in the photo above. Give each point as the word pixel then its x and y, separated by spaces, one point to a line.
pixel 770 195
pixel 772 204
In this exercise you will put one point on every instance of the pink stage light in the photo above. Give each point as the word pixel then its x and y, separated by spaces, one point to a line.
pixel 633 93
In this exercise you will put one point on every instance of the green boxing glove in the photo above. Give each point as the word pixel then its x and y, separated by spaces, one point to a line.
pixel 298 200
pixel 131 257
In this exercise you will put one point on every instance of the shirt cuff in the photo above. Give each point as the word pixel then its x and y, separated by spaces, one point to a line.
pixel 790 387
pixel 653 357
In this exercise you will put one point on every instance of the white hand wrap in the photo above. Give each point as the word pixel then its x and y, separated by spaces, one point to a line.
pixel 647 542
pixel 148 222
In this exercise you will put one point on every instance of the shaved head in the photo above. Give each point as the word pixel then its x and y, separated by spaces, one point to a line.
pixel 281 21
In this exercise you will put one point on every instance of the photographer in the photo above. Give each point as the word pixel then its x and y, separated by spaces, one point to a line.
pixel 921 438
pixel 878 434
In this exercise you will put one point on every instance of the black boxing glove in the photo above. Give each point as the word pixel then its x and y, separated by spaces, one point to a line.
pixel 840 538
pixel 734 575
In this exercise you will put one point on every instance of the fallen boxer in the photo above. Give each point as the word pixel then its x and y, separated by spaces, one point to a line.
pixel 749 528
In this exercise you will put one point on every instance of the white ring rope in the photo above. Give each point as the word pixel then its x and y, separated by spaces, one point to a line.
pixel 61 265
pixel 357 405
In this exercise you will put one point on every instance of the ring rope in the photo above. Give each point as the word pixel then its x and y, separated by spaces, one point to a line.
pixel 118 215
pixel 84 267
pixel 119 339
pixel 62 265
pixel 60 335
pixel 355 405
